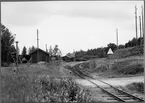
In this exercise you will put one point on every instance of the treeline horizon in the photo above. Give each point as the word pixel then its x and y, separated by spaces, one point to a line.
pixel 8 39
pixel 102 51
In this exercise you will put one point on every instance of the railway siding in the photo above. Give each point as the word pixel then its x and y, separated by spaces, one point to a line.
pixel 111 93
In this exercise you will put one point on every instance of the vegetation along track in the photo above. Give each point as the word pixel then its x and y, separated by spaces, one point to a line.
pixel 112 93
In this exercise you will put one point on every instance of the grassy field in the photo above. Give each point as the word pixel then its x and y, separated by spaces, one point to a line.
pixel 123 67
pixel 136 87
pixel 40 83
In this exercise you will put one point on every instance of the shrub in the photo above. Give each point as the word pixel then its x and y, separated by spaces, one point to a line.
pixel 128 67
pixel 137 86
pixel 132 69
pixel 22 87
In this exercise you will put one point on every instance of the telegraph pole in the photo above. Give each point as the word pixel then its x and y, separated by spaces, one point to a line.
pixel 136 20
pixel 37 47
pixel 140 25
pixel 0 67
pixel 17 50
pixel 117 37
pixel 142 21
pixel 37 40
pixel 46 47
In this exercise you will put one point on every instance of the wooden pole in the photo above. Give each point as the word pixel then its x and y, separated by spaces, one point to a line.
pixel 117 38
pixel 136 20
pixel 37 47
pixel 37 40
pixel 17 54
pixel 140 25
pixel 46 47
pixel 142 21
pixel 0 68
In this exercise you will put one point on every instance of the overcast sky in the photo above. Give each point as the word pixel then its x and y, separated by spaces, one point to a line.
pixel 72 25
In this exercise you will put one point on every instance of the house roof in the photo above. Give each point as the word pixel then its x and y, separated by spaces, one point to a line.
pixel 39 50
pixel 70 55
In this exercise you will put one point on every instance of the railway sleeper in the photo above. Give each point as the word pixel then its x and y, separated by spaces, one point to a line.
pixel 122 95
pixel 106 96
pixel 111 99
pixel 127 98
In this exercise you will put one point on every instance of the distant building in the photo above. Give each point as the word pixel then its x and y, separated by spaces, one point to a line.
pixel 39 55
pixel 67 58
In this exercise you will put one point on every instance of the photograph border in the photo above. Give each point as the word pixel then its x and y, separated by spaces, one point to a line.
pixel 67 0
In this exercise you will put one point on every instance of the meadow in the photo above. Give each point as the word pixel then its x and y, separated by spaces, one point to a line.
pixel 40 83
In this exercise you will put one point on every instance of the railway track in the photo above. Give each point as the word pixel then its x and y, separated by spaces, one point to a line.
pixel 112 93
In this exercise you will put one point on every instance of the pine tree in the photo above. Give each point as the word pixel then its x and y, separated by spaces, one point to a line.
pixel 24 51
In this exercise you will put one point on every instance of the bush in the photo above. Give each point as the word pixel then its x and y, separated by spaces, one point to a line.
pixel 126 67
pixel 137 86
pixel 22 87
pixel 126 52
pixel 132 69
pixel 101 69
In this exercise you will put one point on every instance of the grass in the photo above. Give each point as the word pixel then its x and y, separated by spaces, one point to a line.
pixel 33 85
pixel 136 86
pixel 126 52
pixel 128 67
pixel 123 67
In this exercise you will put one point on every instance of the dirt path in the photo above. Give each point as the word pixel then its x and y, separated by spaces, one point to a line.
pixel 124 80
pixel 114 81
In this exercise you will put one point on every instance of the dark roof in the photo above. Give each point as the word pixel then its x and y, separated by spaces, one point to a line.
pixel 67 56
pixel 39 50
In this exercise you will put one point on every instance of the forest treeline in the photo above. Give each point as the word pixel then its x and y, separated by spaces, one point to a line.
pixel 8 47
pixel 102 51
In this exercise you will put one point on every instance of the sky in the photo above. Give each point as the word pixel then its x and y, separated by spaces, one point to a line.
pixel 72 25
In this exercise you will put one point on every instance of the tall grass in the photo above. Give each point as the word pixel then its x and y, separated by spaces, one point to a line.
pixel 23 87
pixel 128 67
pixel 137 86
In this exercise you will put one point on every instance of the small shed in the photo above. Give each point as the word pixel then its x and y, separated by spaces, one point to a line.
pixel 67 58
pixel 39 55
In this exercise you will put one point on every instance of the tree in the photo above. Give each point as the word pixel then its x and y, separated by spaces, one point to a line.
pixel 31 49
pixel 24 51
pixel 121 46
pixel 100 52
pixel 55 50
pixel 112 46
pixel 50 50
pixel 7 45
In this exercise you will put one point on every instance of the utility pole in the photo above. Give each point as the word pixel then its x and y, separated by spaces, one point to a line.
pixel 140 25
pixel 37 40
pixel 117 38
pixel 0 68
pixel 17 53
pixel 37 47
pixel 142 21
pixel 136 20
pixel 46 47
